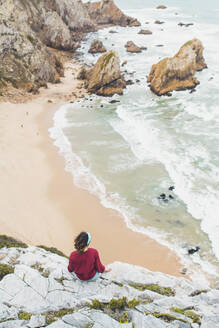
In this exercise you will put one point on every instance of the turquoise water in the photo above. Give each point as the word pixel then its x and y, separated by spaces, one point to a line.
pixel 130 152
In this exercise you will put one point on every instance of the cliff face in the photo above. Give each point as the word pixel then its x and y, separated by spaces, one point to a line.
pixel 36 290
pixel 177 73
pixel 106 12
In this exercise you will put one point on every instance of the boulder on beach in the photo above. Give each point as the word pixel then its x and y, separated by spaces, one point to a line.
pixel 106 12
pixel 177 73
pixel 158 22
pixel 105 77
pixel 145 32
pixel 96 47
pixel 131 47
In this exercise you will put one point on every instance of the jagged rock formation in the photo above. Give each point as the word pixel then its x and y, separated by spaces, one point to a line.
pixel 36 290
pixel 177 73
pixel 105 77
pixel 96 47
pixel 161 7
pixel 106 12
pixel 29 27
pixel 131 47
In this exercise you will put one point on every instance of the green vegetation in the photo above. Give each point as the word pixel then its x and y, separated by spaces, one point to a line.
pixel 133 303
pixel 167 317
pixel 6 241
pixel 52 250
pixel 96 304
pixel 24 315
pixel 167 291
pixel 107 58
pixel 188 313
pixel 5 269
pixel 124 318
pixel 37 266
pixel 52 316
pixel 119 303
pixel 6 320
pixel 30 38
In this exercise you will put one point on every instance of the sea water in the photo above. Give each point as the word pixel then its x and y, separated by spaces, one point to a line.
pixel 130 152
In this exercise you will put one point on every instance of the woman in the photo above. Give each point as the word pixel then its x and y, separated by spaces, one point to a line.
pixel 84 263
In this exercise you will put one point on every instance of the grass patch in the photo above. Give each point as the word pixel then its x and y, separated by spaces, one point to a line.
pixel 5 269
pixel 52 250
pixel 6 241
pixel 167 291
pixel 52 316
pixel 167 317
pixel 24 315
pixel 188 313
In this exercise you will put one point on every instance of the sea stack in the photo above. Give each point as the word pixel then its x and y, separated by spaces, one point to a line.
pixel 177 73
pixel 105 77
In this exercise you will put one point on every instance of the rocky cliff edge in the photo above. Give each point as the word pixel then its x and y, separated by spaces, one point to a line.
pixel 36 290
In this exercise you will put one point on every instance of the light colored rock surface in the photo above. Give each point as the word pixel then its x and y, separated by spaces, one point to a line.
pixel 105 77
pixel 177 73
pixel 131 47
pixel 28 290
pixel 106 12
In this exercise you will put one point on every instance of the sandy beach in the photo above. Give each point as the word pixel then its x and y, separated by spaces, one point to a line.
pixel 39 202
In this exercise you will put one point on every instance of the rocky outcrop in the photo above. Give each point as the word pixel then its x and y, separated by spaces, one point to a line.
pixel 36 290
pixel 106 12
pixel 131 47
pixel 146 32
pixel 177 73
pixel 161 7
pixel 105 77
pixel 96 47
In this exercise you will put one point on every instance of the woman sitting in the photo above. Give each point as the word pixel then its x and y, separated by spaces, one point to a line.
pixel 84 263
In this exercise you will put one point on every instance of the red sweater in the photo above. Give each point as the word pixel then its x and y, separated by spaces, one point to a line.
pixel 85 265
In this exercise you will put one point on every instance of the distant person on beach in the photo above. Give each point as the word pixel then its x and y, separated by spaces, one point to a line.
pixel 84 263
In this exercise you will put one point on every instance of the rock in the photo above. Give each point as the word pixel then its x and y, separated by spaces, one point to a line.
pixel 171 188
pixel 146 32
pixel 96 46
pixel 77 320
pixel 158 22
pixel 161 7
pixel 177 73
pixel 105 77
pixel 113 101
pixel 171 197
pixel 36 321
pixel 183 271
pixel 159 45
pixel 124 63
pixel 112 31
pixel 193 250
pixel 162 196
pixel 56 34
pixel 131 47
pixel 106 12
pixel 186 25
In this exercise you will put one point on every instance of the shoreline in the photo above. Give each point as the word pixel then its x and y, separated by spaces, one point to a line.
pixel 35 184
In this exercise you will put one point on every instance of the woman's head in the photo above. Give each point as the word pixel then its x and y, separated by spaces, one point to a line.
pixel 82 241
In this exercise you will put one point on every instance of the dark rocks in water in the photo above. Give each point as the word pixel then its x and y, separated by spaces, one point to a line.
pixel 131 47
pixel 162 196
pixel 137 81
pixel 193 250
pixel 143 48
pixel 165 200
pixel 113 101
pixel 171 197
pixel 145 32
pixel 124 63
pixel 158 22
pixel 101 106
pixel 211 78
pixel 171 188
pixel 112 31
pixel 192 90
pixel 97 47
pixel 159 45
pixel 186 25
pixel 129 82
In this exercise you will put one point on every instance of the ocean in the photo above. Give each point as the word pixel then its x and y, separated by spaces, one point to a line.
pixel 130 152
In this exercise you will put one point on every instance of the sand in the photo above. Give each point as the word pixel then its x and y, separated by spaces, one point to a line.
pixel 40 203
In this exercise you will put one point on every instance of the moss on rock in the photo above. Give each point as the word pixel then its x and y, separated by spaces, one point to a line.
pixel 24 315
pixel 167 317
pixel 53 250
pixel 167 291
pixel 188 313
pixel 52 316
pixel 5 269
pixel 6 241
